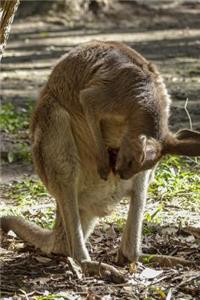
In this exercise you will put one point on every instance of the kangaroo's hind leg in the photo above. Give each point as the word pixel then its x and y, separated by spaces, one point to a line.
pixel 88 222
pixel 60 164
pixel 62 168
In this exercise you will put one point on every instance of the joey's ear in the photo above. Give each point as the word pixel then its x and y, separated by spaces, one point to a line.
pixel 184 142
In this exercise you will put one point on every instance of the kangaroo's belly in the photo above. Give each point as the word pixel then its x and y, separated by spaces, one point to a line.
pixel 100 197
pixel 96 195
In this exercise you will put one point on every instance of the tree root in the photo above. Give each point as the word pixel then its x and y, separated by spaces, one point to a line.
pixel 103 270
pixel 166 260
pixel 161 260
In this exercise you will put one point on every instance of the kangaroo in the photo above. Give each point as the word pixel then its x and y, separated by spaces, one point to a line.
pixel 98 131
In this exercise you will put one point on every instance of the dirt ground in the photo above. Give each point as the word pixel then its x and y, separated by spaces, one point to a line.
pixel 168 35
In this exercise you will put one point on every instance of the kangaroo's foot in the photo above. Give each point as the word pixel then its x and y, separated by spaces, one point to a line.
pixel 103 270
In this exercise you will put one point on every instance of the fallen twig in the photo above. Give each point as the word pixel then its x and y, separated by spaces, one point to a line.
pixel 186 281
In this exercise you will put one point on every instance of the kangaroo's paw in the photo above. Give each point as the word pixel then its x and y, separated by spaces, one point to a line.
pixel 130 157
pixel 126 167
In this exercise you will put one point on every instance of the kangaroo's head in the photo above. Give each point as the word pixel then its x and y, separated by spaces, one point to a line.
pixel 184 142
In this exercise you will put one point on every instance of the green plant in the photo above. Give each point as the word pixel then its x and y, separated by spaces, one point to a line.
pixel 177 178
pixel 49 297
pixel 154 217
pixel 13 119
pixel 29 199
pixel 26 191
pixel 22 153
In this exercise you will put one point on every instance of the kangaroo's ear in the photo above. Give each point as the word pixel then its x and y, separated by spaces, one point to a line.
pixel 153 150
pixel 184 142
pixel 187 134
pixel 153 153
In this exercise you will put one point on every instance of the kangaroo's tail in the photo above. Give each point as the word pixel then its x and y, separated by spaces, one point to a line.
pixel 29 232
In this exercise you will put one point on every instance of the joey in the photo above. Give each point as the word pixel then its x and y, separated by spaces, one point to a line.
pixel 99 128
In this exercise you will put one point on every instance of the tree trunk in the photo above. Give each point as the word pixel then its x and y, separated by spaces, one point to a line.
pixel 8 9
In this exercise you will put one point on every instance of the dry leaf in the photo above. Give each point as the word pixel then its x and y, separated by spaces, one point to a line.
pixel 149 273
pixel 43 259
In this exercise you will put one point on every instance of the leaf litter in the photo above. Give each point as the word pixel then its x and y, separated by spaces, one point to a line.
pixel 25 268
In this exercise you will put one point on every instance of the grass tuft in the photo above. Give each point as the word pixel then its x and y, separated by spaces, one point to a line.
pixel 13 119
pixel 177 179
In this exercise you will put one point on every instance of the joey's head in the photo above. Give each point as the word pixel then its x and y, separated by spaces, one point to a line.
pixel 147 152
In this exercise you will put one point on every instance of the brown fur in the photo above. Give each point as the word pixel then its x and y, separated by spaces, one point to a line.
pixel 99 97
